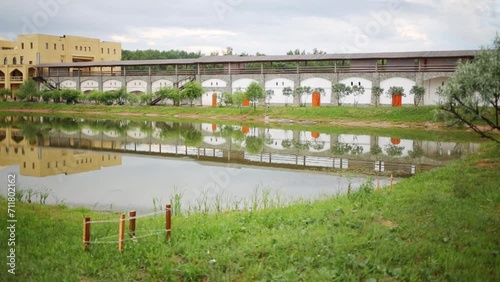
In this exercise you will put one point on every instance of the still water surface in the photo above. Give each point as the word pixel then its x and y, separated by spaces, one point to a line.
pixel 122 165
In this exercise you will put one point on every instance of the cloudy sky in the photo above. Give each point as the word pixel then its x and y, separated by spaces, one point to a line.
pixel 267 26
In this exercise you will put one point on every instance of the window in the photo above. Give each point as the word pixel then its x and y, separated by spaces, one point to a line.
pixel 47 46
pixel 14 61
pixel 90 49
pixel 22 46
pixel 55 46
pixel 102 50
pixel 76 48
pixel 85 48
pixel 114 51
pixel 21 60
pixel 48 165
pixel 31 45
pixel 24 165
pixel 108 51
pixel 5 61
pixel 62 47
pixel 81 48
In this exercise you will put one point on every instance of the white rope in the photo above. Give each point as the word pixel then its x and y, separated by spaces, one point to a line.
pixel 145 215
pixel 134 238
pixel 151 214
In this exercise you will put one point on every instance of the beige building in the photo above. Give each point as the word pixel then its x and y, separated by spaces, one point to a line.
pixel 19 58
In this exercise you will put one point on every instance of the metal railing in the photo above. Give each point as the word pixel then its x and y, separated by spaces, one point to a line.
pixel 16 78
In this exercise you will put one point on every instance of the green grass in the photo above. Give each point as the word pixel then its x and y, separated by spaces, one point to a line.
pixel 441 225
pixel 410 115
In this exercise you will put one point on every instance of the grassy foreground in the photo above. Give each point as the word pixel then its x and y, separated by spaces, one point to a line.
pixel 441 225
pixel 405 115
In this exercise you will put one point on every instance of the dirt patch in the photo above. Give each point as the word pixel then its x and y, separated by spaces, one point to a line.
pixel 488 163
pixel 386 223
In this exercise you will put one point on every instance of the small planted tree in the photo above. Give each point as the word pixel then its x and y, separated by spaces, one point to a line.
pixel 395 91
pixel 70 96
pixel 357 90
pixel 46 96
pixel 227 97
pixel 238 98
pixel 302 93
pixel 192 90
pixel 173 94
pixel 255 93
pixel 287 92
pixel 376 92
pixel 4 93
pixel 269 96
pixel 28 90
pixel 418 92
pixel 340 91
pixel 146 98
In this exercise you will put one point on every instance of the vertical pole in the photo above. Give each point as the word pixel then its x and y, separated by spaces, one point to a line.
pixel 378 185
pixel 121 233
pixel 86 234
pixel 131 224
pixel 392 178
pixel 168 221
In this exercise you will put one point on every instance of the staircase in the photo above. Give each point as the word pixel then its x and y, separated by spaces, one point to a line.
pixel 43 81
pixel 180 85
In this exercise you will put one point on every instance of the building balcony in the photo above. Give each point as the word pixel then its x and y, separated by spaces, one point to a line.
pixel 16 78
pixel 2 78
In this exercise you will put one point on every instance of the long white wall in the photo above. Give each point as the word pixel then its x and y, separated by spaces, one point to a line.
pixel 364 99
pixel 277 85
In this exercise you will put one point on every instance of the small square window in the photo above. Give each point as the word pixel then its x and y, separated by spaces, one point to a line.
pixel 55 46
pixel 47 46
pixel 62 47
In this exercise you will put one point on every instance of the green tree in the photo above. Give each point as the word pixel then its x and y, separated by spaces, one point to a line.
pixel 302 93
pixel 376 92
pixel 269 96
pixel 238 98
pixel 28 90
pixel 192 90
pixel 287 92
pixel 173 94
pixel 340 91
pixel 70 96
pixel 395 91
pixel 357 90
pixel 418 92
pixel 146 98
pixel 255 93
pixel 472 95
pixel 4 93
pixel 46 96
pixel 227 97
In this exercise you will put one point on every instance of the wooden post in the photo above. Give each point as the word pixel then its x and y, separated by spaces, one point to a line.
pixel 121 233
pixel 131 223
pixel 392 178
pixel 349 189
pixel 168 221
pixel 86 234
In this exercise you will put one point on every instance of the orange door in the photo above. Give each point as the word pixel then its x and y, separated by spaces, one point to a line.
pixel 214 100
pixel 316 99
pixel 315 135
pixel 246 103
pixel 395 141
pixel 245 129
pixel 397 100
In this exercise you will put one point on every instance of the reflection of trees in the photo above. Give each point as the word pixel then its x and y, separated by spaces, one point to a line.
pixel 394 150
pixel 287 143
pixel 340 148
pixel 301 145
pixel 417 151
pixel 357 150
pixel 254 145
pixel 375 150
pixel 192 137
pixel 268 138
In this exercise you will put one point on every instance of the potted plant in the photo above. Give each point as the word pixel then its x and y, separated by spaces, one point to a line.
pixel 396 92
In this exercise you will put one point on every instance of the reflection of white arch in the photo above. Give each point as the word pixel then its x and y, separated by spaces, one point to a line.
pixel 136 86
pixel 406 83
pixel 111 85
pixel 431 86
pixel 68 84
pixel 209 127
pixel 277 85
pixel 242 84
pixel 364 99
pixel 384 142
pixel 69 132
pixel 274 138
pixel 136 134
pixel 162 83
pixel 213 140
pixel 89 85
pixel 317 82
pixel 112 134
pixel 213 83
pixel 89 132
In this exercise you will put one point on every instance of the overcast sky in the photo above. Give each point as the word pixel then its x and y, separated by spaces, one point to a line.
pixel 267 26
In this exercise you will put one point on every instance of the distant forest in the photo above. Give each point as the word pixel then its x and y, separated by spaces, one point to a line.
pixel 178 54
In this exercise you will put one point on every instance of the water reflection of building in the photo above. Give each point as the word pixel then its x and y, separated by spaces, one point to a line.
pixel 35 158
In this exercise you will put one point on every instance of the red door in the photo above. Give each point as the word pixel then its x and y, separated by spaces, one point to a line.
pixel 214 100
pixel 316 99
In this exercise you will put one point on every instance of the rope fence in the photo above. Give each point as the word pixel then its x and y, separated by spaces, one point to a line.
pixel 133 236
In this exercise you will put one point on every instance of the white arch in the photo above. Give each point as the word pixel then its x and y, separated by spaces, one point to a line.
pixel 89 85
pixel 277 85
pixel 212 83
pixel 364 99
pixel 406 83
pixel 68 84
pixel 317 82
pixel 431 86
pixel 206 99
pixel 242 84
pixel 161 83
pixel 137 85
pixel 111 85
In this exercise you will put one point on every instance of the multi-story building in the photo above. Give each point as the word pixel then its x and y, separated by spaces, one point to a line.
pixel 19 58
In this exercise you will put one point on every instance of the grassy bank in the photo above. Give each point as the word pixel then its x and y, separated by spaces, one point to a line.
pixel 438 226
pixel 404 115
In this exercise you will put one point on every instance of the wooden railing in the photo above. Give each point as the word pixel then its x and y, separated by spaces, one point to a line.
pixel 266 70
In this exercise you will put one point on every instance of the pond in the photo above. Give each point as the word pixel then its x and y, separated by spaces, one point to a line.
pixel 120 164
